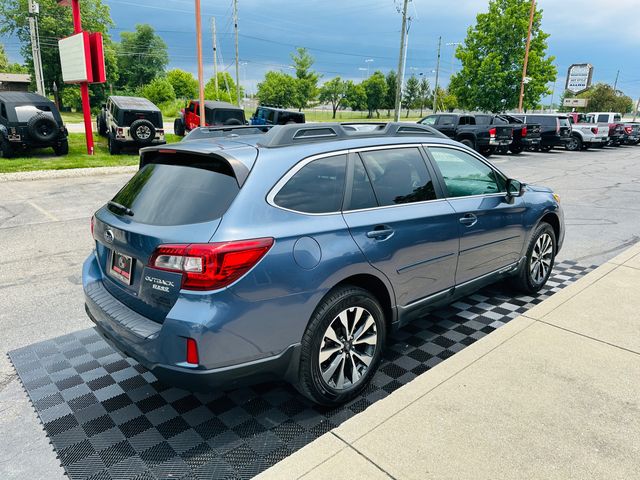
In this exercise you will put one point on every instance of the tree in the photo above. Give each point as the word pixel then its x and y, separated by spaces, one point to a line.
pixel 184 84
pixel 492 57
pixel 448 101
pixel 277 88
pixel 424 94
pixel 356 97
pixel 392 88
pixel 159 91
pixel 411 93
pixel 142 56
pixel 6 66
pixel 603 98
pixel 375 88
pixel 227 89
pixel 306 79
pixel 334 92
pixel 54 22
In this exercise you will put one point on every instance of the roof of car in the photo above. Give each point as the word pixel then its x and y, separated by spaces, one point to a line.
pixel 280 109
pixel 218 104
pixel 134 103
pixel 23 97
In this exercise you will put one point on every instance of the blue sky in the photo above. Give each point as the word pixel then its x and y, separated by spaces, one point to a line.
pixel 342 35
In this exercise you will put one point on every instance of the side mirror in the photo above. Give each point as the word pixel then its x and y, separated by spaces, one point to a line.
pixel 514 188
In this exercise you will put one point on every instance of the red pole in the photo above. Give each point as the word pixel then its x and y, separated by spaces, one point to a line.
pixel 84 86
pixel 200 69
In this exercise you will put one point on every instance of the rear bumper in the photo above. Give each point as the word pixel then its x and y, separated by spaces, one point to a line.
pixel 529 142
pixel 500 142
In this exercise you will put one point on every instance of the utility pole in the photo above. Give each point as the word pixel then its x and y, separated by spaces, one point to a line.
pixel 526 55
pixel 435 90
pixel 615 84
pixel 34 9
pixel 553 94
pixel 635 112
pixel 215 54
pixel 400 81
pixel 200 69
pixel 235 26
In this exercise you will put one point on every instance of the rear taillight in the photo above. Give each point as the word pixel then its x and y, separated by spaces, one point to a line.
pixel 594 130
pixel 209 266
pixel 524 131
pixel 192 352
pixel 492 132
pixel 628 130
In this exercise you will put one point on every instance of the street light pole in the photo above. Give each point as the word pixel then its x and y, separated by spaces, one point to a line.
pixel 526 55
pixel 400 81
pixel 235 26
pixel 435 90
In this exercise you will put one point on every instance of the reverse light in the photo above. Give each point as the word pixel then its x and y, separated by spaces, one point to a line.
pixel 209 266
pixel 192 351
pixel 524 131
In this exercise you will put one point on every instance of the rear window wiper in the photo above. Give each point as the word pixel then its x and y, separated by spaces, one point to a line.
pixel 125 210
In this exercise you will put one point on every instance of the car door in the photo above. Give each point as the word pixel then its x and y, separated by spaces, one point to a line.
pixel 448 124
pixel 401 224
pixel 490 224
pixel 192 120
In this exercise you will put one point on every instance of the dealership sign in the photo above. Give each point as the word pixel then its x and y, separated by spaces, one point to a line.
pixel 579 77
pixel 82 58
pixel 575 102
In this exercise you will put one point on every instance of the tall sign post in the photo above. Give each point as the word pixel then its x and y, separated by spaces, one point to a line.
pixel 82 62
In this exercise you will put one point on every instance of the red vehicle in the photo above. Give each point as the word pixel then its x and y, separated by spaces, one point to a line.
pixel 216 114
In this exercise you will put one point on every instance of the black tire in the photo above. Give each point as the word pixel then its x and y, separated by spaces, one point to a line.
pixel 114 147
pixel 6 150
pixel 42 128
pixel 502 150
pixel 525 279
pixel 467 142
pixel 178 127
pixel 62 148
pixel 516 149
pixel 142 131
pixel 487 151
pixel 232 121
pixel 310 376
pixel 101 124
pixel 574 144
pixel 546 148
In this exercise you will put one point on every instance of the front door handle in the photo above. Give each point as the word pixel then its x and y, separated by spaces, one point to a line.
pixel 380 233
pixel 469 220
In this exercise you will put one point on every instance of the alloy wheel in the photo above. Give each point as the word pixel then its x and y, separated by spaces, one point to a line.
pixel 143 132
pixel 541 258
pixel 348 348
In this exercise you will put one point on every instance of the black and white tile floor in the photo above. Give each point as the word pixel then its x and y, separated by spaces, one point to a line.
pixel 108 418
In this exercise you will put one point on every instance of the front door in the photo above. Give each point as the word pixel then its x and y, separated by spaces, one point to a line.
pixel 400 223
pixel 192 120
pixel 491 225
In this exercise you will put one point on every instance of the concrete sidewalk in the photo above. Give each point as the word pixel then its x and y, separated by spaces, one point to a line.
pixel 554 394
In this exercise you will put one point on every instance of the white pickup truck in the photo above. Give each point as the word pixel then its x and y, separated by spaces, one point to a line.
pixel 586 133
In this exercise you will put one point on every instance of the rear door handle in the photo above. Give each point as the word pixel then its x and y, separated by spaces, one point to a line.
pixel 380 233
pixel 469 220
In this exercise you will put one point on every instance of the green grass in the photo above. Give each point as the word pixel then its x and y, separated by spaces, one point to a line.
pixel 44 159
pixel 74 117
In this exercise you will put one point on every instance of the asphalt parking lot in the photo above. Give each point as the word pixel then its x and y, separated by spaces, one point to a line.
pixel 44 237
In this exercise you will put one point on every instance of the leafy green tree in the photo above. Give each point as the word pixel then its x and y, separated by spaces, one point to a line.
pixel 277 88
pixel 8 67
pixel 492 57
pixel 54 22
pixel 159 90
pixel 334 92
pixel 424 94
pixel 603 98
pixel 227 90
pixel 356 97
pixel 411 93
pixel 376 89
pixel 184 84
pixel 306 79
pixel 142 56
pixel 392 87
pixel 447 100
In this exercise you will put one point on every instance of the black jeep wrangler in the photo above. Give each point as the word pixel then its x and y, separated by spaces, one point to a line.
pixel 29 120
pixel 130 121
pixel 271 115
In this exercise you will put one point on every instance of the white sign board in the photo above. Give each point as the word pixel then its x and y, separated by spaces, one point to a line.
pixel 579 77
pixel 74 54
pixel 575 102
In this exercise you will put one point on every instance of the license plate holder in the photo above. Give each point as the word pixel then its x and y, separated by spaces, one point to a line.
pixel 121 266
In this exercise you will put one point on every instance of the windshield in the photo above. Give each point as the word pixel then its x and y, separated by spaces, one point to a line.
pixel 25 112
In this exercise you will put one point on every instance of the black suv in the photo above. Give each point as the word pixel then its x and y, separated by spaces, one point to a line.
pixel 29 120
pixel 525 135
pixel 130 121
pixel 268 115
pixel 555 130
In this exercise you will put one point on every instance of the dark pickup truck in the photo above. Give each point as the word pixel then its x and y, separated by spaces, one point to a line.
pixel 525 135
pixel 555 129
pixel 464 128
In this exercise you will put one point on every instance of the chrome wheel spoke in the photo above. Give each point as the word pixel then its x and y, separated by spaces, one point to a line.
pixel 331 369
pixel 363 357
pixel 369 340
pixel 331 335
pixel 355 374
pixel 369 322
pixel 327 353
pixel 340 379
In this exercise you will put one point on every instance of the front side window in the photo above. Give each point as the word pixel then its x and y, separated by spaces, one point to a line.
pixel 431 120
pixel 398 176
pixel 465 175
pixel 447 120
pixel 318 187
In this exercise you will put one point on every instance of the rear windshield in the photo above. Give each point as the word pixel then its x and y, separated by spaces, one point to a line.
pixel 161 194
pixel 24 113
pixel 222 116
pixel 131 116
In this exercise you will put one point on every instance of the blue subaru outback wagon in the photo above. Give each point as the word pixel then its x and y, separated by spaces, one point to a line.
pixel 292 254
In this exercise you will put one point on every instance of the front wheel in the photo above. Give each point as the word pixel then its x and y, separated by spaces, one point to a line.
pixel 62 148
pixel 342 346
pixel 178 127
pixel 541 254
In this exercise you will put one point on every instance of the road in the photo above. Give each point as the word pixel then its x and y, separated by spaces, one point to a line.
pixel 44 238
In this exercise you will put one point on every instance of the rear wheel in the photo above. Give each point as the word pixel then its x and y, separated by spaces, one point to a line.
pixel 516 149
pixel 114 148
pixel 546 148
pixel 101 125
pixel 574 144
pixel 342 346
pixel 467 142
pixel 488 151
pixel 539 261
pixel 178 127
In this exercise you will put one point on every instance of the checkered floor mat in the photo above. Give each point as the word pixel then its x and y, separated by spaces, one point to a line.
pixel 108 418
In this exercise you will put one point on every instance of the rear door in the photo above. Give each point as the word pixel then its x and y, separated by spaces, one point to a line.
pixel 400 222
pixel 490 225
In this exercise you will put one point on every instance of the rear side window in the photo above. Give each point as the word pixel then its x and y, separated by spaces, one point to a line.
pixel 564 121
pixel 447 120
pixel 617 118
pixel 318 187
pixel 603 118
pixel 362 195
pixel 161 194
pixel 398 176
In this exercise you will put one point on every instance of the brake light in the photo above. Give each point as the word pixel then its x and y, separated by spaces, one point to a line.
pixel 524 131
pixel 492 132
pixel 594 130
pixel 209 266
pixel 628 130
pixel 192 351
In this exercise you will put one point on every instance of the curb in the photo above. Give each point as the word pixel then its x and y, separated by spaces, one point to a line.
pixel 66 173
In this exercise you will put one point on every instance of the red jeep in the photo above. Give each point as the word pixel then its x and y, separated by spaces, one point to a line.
pixel 216 114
